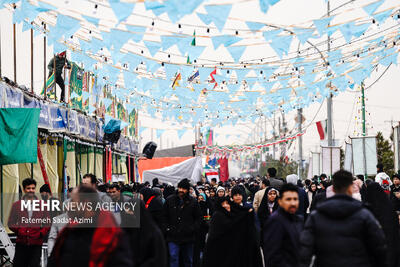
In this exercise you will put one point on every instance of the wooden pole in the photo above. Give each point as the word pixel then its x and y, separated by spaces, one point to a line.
pixel 31 60
pixel 15 53
pixel 80 162
pixel 54 71
pixel 94 155
pixel 44 64
pixel 87 157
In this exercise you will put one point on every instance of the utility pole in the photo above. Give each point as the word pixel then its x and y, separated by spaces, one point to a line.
pixel 280 134
pixel 329 104
pixel 274 133
pixel 300 119
pixel 329 100
pixel 265 128
pixel 283 145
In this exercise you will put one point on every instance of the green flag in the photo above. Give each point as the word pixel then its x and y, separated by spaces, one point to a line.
pixel 133 123
pixel 194 39
pixel 75 86
pixel 50 87
pixel 18 135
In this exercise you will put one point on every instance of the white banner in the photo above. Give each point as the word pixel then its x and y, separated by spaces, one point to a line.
pixel 348 158
pixel 316 163
pixel 330 160
pixel 371 159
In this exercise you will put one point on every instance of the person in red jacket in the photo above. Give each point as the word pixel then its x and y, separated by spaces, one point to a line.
pixel 31 228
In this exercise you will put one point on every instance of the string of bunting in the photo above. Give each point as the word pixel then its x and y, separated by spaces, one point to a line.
pixel 240 148
pixel 134 59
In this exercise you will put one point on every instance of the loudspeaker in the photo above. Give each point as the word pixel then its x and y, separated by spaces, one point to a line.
pixel 112 137
pixel 149 150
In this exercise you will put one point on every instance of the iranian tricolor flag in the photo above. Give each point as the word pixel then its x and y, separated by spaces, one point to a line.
pixel 321 127
pixel 211 173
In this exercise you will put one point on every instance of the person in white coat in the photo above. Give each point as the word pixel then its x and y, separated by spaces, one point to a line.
pixel 258 196
pixel 60 222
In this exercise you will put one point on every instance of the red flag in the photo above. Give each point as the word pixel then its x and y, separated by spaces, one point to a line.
pixel 109 166
pixel 321 127
pixel 214 72
pixel 227 167
pixel 42 165
pixel 223 169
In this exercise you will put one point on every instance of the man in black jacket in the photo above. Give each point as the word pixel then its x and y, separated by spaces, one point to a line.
pixel 341 232
pixel 274 182
pixel 182 220
pixel 395 192
pixel 282 231
pixel 58 62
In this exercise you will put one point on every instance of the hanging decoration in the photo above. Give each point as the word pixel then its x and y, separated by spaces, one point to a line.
pixel 163 66
pixel 240 148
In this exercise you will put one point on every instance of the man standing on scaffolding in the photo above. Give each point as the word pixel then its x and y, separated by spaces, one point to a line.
pixel 58 62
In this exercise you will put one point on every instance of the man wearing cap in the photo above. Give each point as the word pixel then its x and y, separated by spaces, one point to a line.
pixel 58 62
pixel 181 220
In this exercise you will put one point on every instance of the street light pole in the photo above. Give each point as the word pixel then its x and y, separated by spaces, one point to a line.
pixel 300 119
pixel 329 100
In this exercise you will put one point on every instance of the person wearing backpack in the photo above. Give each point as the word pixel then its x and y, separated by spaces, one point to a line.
pixel 383 179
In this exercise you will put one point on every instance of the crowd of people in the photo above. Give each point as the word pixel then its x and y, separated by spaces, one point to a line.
pixel 259 221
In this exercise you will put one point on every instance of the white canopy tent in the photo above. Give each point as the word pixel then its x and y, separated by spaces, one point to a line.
pixel 190 169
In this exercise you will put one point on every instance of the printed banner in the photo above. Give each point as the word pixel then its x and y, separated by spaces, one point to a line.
pixel 50 87
pixel 14 98
pixel 44 119
pixel 73 122
pixel 75 86
pixel 133 120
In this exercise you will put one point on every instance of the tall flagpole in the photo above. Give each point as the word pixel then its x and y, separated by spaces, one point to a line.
pixel 364 133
